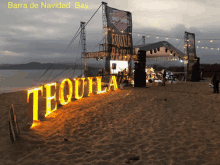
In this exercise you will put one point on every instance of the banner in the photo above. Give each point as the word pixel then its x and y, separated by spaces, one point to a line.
pixel 119 36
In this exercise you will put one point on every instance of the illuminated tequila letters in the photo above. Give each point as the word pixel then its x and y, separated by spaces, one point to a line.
pixel 99 85
pixel 89 84
pixel 113 83
pixel 61 93
pixel 61 98
pixel 35 101
pixel 77 88
pixel 49 98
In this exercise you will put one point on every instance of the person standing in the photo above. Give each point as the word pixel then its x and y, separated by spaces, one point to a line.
pixel 164 77
pixel 215 82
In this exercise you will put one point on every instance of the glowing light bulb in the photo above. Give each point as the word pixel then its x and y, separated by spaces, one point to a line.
pixel 177 39
pixel 218 49
pixel 211 40
pixel 211 48
pixel 198 41
pixel 148 36
pixel 157 37
pixel 138 34
pixel 202 47
pixel 206 47
pixel 167 38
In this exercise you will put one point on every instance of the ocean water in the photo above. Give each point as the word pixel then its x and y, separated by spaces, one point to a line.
pixel 16 80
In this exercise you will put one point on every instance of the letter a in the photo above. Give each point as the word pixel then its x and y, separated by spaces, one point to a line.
pixel 113 83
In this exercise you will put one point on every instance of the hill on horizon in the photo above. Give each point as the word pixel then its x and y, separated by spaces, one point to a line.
pixel 38 65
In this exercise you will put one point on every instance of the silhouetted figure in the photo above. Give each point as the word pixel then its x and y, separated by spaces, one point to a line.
pixel 215 82
pixel 164 78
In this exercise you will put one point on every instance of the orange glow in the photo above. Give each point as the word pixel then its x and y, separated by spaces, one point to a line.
pixel 49 98
pixel 113 83
pixel 35 100
pixel 60 97
pixel 35 124
pixel 61 93
pixel 99 85
pixel 89 85
pixel 77 86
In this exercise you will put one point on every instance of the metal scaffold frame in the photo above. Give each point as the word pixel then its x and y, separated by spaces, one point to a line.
pixel 104 29
pixel 83 46
pixel 129 28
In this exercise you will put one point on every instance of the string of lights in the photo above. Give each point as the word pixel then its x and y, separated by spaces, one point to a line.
pixel 166 59
pixel 177 38
pixel 208 47
pixel 211 40
pixel 157 36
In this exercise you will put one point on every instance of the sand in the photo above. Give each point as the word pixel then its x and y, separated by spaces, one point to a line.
pixel 175 124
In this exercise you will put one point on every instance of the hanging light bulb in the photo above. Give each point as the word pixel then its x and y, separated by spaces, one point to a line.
pixel 138 34
pixel 211 40
pixel 189 45
pixel 206 47
pixel 202 47
pixel 167 38
pixel 113 30
pixel 218 49
pixel 211 48
pixel 157 37
pixel 197 47
pixel 188 40
pixel 122 31
pixel 198 41
pixel 148 36
pixel 177 39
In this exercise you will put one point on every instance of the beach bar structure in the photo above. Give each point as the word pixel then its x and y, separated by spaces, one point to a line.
pixel 165 49
pixel 118 45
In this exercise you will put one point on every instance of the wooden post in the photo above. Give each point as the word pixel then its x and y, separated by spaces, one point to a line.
pixel 13 126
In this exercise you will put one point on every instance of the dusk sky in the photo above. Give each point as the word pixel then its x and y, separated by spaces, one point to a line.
pixel 42 35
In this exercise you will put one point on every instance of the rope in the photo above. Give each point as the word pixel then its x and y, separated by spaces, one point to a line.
pixel 71 42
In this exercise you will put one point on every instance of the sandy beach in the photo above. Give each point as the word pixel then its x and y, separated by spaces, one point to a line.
pixel 171 125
